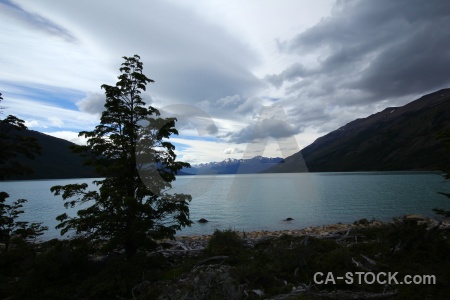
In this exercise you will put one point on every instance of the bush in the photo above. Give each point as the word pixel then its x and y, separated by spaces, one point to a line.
pixel 227 242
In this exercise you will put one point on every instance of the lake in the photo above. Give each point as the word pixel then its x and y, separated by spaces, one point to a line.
pixel 263 201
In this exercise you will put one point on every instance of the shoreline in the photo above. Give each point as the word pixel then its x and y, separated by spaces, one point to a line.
pixel 322 231
pixel 313 230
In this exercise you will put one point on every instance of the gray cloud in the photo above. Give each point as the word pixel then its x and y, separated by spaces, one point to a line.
pixel 232 150
pixel 382 49
pixel 191 80
pixel 292 73
pixel 35 20
pixel 212 129
pixel 190 59
pixel 271 122
pixel 93 103
pixel 191 117
pixel 233 107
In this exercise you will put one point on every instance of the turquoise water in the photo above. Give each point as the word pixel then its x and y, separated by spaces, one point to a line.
pixel 262 201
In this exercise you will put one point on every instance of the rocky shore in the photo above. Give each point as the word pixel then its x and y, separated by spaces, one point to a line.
pixel 278 267
pixel 193 244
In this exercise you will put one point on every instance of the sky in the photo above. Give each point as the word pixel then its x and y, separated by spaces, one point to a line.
pixel 244 78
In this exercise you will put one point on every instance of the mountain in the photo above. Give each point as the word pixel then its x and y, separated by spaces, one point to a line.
pixel 56 160
pixel 256 164
pixel 397 138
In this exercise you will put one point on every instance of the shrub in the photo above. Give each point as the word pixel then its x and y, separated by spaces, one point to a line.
pixel 227 242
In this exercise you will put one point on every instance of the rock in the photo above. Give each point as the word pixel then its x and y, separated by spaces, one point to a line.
pixel 202 220
pixel 414 217
pixel 289 219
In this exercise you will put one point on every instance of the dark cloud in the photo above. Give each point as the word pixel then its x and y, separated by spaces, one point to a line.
pixel 271 122
pixel 191 80
pixel 212 129
pixel 379 49
pixel 292 73
pixel 363 57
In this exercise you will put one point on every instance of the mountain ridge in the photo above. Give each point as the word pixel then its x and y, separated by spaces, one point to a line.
pixel 56 161
pixel 394 139
pixel 252 165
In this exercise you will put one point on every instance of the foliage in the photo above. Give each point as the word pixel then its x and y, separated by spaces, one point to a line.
pixel 12 145
pixel 363 222
pixel 71 269
pixel 129 148
pixel 226 242
pixel 277 265
pixel 11 228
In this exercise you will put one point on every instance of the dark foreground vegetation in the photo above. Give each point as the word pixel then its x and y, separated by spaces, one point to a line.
pixel 230 267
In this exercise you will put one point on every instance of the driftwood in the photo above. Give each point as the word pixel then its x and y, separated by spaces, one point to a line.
pixel 360 265
pixel 209 259
pixel 357 295
pixel 306 290
pixel 370 261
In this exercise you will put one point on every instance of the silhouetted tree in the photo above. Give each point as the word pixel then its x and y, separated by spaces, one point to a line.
pixel 445 137
pixel 11 146
pixel 131 208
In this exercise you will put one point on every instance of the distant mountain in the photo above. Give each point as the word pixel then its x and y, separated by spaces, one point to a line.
pixel 256 164
pixel 397 138
pixel 56 161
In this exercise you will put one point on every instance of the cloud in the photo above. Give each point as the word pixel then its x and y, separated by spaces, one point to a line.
pixel 33 123
pixel 199 62
pixel 35 21
pixel 233 150
pixel 201 151
pixel 68 136
pixel 363 56
pixel 232 107
pixel 93 103
pixel 292 73
pixel 189 58
pixel 191 80
pixel 42 116
pixel 191 118
pixel 265 128
pixel 56 122
pixel 383 49
pixel 212 129
pixel 230 101
pixel 272 122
